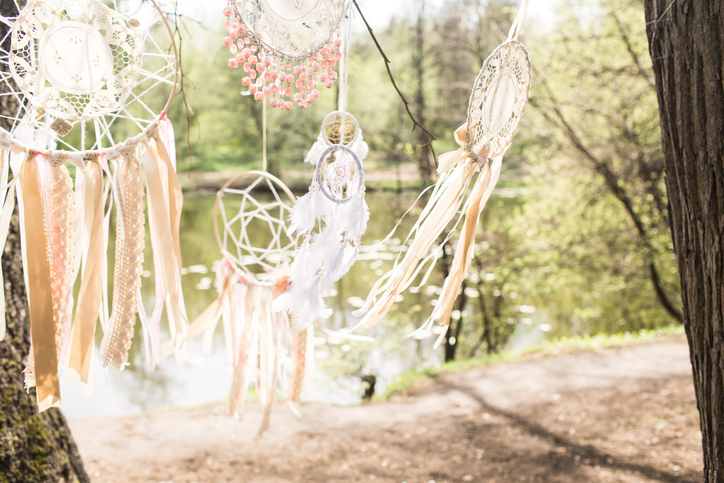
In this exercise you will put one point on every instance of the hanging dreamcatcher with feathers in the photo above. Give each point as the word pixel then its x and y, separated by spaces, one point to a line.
pixel 331 218
pixel 92 86
pixel 496 106
pixel 287 50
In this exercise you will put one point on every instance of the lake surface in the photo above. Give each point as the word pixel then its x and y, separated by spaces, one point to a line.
pixel 207 378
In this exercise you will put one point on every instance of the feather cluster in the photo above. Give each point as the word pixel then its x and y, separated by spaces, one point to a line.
pixel 325 256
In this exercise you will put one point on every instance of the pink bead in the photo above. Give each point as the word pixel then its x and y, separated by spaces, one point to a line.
pixel 288 105
pixel 333 76
pixel 297 97
pixel 233 34
pixel 332 62
pixel 275 89
pixel 246 81
pixel 315 93
pixel 267 90
pixel 258 96
pixel 267 76
pixel 337 43
pixel 253 88
pixel 329 71
pixel 232 48
pixel 315 80
pixel 309 98
pixel 329 84
pixel 228 41
pixel 297 70
pixel 253 60
pixel 273 102
pixel 289 67
pixel 274 74
pixel 303 90
pixel 302 103
pixel 228 25
pixel 246 53
pixel 288 92
pixel 324 51
pixel 260 67
pixel 298 84
pixel 247 68
pixel 303 77
pixel 267 62
pixel 252 74
pixel 323 65
pixel 227 11
pixel 338 55
pixel 315 67
pixel 240 43
pixel 239 58
pixel 247 40
pixel 309 72
pixel 323 78
pixel 233 63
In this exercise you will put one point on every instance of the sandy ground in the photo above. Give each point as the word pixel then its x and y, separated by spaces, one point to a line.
pixel 617 415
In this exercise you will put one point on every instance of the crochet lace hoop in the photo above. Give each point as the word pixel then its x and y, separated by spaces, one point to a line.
pixel 319 173
pixel 505 78
pixel 244 253
pixel 332 128
pixel 54 43
pixel 294 30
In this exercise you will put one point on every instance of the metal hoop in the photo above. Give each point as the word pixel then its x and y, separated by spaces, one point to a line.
pixel 318 171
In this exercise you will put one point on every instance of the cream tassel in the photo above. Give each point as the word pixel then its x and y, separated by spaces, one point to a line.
pixel 129 260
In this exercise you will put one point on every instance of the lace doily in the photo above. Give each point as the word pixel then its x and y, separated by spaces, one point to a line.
pixel 498 99
pixel 83 72
pixel 294 29
pixel 77 59
pixel 254 234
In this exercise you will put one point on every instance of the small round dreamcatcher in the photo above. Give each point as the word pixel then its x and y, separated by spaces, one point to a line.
pixel 84 71
pixel 338 128
pixel 253 234
pixel 286 49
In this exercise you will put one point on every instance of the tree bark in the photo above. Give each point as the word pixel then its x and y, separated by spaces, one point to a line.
pixel 686 41
pixel 33 447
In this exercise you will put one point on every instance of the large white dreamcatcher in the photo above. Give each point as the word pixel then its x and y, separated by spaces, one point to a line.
pixel 496 106
pixel 286 49
pixel 88 82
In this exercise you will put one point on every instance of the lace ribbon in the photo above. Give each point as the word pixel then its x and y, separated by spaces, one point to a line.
pixel 129 259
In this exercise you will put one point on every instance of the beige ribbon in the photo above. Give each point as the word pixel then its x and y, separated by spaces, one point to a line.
pixel 164 212
pixel 89 182
pixel 482 190
pixel 37 271
pixel 457 169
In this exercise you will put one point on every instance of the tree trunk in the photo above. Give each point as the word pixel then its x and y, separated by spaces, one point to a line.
pixel 686 41
pixel 33 447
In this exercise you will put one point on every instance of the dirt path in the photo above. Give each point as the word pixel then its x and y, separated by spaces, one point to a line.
pixel 618 415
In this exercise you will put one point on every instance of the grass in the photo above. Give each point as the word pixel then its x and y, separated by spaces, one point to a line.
pixel 405 383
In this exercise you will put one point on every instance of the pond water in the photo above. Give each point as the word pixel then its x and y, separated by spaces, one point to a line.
pixel 207 378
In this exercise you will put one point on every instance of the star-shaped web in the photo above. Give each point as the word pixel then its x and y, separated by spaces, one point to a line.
pixel 158 70
pixel 255 236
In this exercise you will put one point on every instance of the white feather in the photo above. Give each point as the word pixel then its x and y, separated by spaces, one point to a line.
pixel 301 218
pixel 360 147
pixel 317 150
pixel 320 205
pixel 347 257
pixel 354 217
pixel 325 246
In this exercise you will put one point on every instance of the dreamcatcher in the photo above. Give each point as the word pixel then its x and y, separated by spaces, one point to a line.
pixel 496 106
pixel 256 247
pixel 335 204
pixel 78 70
pixel 286 49
pixel 338 128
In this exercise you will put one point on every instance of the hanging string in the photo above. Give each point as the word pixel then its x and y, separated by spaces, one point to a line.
pixel 518 22
pixel 263 136
pixel 344 73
